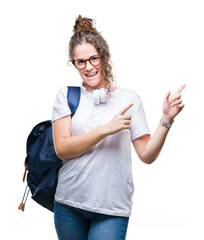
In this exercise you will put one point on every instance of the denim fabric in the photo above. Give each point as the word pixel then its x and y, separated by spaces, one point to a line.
pixel 77 224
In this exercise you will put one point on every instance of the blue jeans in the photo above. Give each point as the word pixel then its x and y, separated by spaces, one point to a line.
pixel 77 224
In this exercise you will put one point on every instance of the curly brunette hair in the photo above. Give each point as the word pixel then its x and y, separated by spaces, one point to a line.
pixel 85 32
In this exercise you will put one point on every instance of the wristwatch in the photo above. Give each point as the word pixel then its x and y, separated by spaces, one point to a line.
pixel 166 124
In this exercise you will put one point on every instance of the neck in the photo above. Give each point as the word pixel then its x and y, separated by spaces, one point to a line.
pixel 90 89
pixel 109 86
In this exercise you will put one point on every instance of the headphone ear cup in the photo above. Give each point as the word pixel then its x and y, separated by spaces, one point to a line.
pixel 100 96
pixel 96 96
pixel 103 95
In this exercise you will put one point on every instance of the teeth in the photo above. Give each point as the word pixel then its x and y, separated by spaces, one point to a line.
pixel 90 75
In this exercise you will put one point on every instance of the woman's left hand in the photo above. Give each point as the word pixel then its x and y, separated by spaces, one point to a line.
pixel 172 105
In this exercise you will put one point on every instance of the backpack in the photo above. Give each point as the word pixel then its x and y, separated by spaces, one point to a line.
pixel 42 162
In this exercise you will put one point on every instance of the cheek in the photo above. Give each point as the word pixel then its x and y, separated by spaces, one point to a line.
pixel 81 73
pixel 99 68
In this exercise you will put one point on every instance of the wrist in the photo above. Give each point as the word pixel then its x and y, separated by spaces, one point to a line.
pixel 104 130
pixel 166 124
pixel 167 119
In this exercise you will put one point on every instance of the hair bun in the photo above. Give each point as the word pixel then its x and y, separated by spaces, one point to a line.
pixel 84 24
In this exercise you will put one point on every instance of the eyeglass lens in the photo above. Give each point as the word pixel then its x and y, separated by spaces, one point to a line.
pixel 81 63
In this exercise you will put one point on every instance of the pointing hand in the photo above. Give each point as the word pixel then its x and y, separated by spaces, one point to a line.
pixel 120 121
pixel 172 105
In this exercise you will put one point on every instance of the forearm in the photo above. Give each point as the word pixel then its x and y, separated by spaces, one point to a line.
pixel 71 147
pixel 155 143
pixel 151 147
pixel 68 146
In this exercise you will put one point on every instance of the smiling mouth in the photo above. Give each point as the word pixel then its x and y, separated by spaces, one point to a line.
pixel 91 74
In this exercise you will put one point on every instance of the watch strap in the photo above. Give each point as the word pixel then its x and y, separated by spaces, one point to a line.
pixel 166 124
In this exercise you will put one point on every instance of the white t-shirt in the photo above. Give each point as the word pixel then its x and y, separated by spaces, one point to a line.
pixel 101 179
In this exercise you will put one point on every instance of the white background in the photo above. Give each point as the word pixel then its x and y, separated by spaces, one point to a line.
pixel 156 46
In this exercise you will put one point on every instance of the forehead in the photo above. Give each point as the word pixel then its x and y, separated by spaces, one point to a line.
pixel 84 51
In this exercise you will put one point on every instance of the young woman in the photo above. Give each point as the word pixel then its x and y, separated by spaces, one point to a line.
pixel 93 199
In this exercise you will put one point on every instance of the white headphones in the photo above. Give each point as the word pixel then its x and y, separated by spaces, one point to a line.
pixel 100 95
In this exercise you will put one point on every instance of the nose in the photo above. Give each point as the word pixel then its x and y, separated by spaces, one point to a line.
pixel 89 66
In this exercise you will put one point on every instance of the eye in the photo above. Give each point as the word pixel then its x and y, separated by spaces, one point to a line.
pixel 94 58
pixel 80 62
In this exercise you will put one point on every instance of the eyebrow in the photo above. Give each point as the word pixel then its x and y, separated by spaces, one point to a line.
pixel 87 58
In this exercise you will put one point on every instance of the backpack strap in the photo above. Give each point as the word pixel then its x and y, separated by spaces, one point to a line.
pixel 73 98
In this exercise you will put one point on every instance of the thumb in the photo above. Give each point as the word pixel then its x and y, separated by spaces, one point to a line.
pixel 166 98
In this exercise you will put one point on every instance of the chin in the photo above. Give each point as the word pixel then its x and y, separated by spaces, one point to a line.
pixel 94 83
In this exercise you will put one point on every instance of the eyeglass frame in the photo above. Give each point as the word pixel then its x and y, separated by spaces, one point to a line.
pixel 85 60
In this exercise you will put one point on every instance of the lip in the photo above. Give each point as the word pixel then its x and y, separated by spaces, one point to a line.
pixel 91 75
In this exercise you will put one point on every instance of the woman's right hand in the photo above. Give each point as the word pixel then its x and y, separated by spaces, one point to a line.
pixel 68 146
pixel 119 122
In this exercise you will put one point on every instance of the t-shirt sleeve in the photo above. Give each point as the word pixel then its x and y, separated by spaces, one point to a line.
pixel 60 107
pixel 138 126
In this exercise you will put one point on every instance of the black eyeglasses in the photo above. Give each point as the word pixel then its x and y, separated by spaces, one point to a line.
pixel 81 63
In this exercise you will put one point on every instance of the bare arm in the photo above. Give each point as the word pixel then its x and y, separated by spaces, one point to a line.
pixel 67 146
pixel 148 148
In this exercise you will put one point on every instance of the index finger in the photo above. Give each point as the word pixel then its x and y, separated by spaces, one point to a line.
pixel 181 88
pixel 124 110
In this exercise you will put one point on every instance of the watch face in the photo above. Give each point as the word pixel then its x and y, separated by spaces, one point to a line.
pixel 168 124
pixel 165 124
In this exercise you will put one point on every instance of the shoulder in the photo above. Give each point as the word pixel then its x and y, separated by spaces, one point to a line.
pixel 130 94
pixel 60 107
pixel 61 94
pixel 62 91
